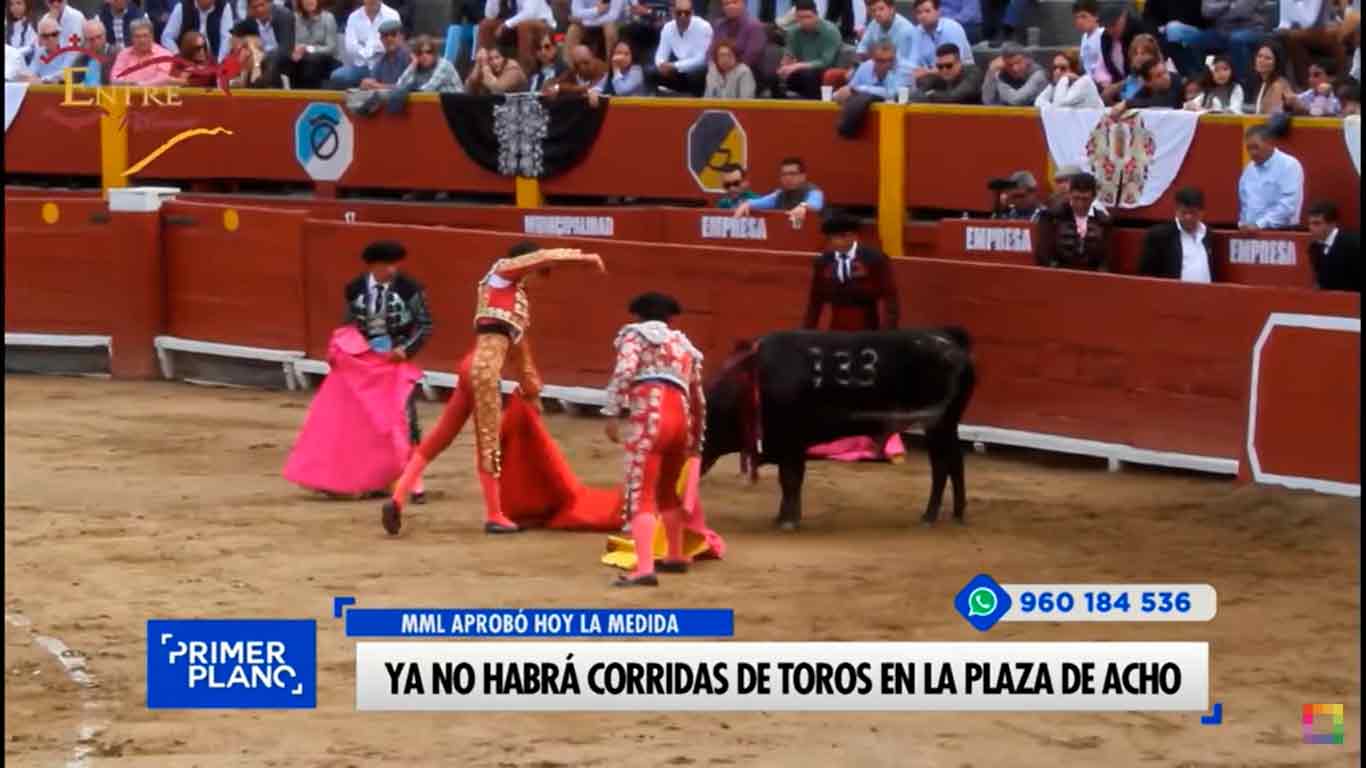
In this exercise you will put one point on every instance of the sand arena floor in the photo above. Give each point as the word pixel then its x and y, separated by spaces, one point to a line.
pixel 127 501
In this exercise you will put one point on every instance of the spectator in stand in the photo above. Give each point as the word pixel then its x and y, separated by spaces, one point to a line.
pixel 315 45
pixel 968 14
pixel 876 79
pixel 594 22
pixel 735 180
pixel 159 11
pixel 1311 31
pixel 21 28
pixel 727 76
pixel 192 66
pixel 586 76
pixel 625 77
pixel 850 17
pixel 16 71
pixel 1142 48
pixel 931 33
pixel 1179 23
pixel 361 44
pixel 116 16
pixel 1271 190
pixel 1319 99
pixel 1162 89
pixel 812 48
pixel 681 58
pixel 644 25
pixel 745 33
pixel 950 83
pixel 1021 198
pixel 465 17
pixel 374 90
pixel 48 65
pixel 1101 58
pixel 494 73
pixel 1180 249
pixel 99 53
pixel 1218 90
pixel 213 19
pixel 892 27
pixel 1122 26
pixel 245 44
pixel 1273 90
pixel 427 71
pixel 1335 254
pixel 1349 95
pixel 1238 28
pixel 70 22
pixel 521 20
pixel 275 27
pixel 1070 88
pixel 143 49
pixel 547 65
pixel 1013 79
pixel 1075 235
pixel 794 194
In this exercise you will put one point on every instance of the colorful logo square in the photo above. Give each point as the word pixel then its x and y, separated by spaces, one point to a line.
pixel 1339 723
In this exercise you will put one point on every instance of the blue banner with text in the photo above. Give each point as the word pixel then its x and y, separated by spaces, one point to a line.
pixel 232 663
pixel 539 622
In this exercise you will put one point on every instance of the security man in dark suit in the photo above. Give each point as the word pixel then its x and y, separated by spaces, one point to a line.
pixel 1335 253
pixel 1180 249
pixel 854 279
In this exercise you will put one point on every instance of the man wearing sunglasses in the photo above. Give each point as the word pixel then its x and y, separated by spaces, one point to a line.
pixel 681 58
pixel 735 181
pixel 70 23
pixel 47 65
pixel 951 82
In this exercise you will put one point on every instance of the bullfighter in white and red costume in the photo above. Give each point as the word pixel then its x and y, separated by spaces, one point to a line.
pixel 501 319
pixel 658 380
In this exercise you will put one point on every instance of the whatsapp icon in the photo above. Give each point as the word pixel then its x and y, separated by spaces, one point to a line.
pixel 982 602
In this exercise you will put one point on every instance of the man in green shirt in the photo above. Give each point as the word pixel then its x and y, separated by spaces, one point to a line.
pixel 812 47
pixel 735 181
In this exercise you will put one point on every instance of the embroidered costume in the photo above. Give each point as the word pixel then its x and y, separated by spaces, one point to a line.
pixel 658 380
pixel 391 315
pixel 501 319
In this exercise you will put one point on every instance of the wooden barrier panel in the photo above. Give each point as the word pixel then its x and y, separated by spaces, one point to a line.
pixel 58 270
pixel 989 240
pixel 1263 258
pixel 47 138
pixel 234 274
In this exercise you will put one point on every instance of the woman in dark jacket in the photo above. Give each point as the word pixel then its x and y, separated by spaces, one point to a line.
pixel 1076 234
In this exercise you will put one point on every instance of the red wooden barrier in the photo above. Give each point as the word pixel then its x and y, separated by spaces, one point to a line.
pixel 998 242
pixel 1263 258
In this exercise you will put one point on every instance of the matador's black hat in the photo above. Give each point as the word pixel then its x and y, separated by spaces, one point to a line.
pixel 655 306
pixel 840 224
pixel 384 252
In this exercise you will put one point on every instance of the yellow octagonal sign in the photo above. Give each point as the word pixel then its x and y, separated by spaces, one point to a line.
pixel 715 140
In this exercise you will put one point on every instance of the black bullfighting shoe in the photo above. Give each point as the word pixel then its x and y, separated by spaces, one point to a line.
pixel 671 566
pixel 391 517
pixel 419 497
pixel 496 528
pixel 648 580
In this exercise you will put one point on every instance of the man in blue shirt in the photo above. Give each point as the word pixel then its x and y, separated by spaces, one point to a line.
pixel 888 25
pixel 930 32
pixel 877 77
pixel 968 14
pixel 1271 190
pixel 794 194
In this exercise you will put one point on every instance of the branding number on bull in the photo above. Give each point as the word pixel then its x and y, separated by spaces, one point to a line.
pixel 852 371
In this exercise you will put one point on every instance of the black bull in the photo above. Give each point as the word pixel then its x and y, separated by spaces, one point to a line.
pixel 795 389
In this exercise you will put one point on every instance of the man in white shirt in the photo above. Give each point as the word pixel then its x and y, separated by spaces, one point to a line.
pixel 361 45
pixel 681 58
pixel 276 26
pixel 70 22
pixel 212 18
pixel 15 71
pixel 1180 249
pixel 1271 190
pixel 526 21
pixel 593 18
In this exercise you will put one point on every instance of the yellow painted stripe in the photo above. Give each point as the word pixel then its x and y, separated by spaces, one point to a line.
pixel 891 179
pixel 174 140
pixel 113 146
pixel 529 193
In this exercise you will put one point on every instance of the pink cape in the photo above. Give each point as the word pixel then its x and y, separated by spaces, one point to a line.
pixel 355 437
pixel 856 449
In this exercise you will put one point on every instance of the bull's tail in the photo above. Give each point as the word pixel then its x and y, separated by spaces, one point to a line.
pixel 743 364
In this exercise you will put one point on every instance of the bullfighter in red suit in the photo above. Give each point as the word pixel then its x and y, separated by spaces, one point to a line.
pixel 658 379
pixel 854 279
pixel 501 319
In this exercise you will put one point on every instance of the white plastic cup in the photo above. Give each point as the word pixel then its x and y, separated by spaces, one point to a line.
pixel 903 95
pixel 827 93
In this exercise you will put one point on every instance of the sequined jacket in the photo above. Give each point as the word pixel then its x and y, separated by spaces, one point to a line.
pixel 652 351
pixel 502 293
pixel 404 316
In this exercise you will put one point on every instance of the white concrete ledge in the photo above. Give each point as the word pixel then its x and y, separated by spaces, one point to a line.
pixel 167 344
pixel 1115 453
pixel 69 341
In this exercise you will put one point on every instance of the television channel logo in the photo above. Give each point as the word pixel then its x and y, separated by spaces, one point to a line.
pixel 982 602
pixel 232 664
pixel 1336 712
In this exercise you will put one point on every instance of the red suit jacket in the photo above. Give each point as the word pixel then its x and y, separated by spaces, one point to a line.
pixel 854 297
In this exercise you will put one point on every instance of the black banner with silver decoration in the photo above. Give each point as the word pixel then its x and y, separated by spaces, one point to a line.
pixel 524 134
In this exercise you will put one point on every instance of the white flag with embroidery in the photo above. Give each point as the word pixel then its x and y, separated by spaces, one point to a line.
pixel 1134 157
pixel 14 98
pixel 1351 131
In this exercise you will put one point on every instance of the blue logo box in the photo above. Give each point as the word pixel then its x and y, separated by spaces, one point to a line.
pixel 232 664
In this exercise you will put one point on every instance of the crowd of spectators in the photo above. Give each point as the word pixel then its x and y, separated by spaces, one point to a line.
pixel 1211 56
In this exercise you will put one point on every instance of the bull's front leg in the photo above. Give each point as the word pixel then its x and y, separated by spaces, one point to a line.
pixel 791 473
